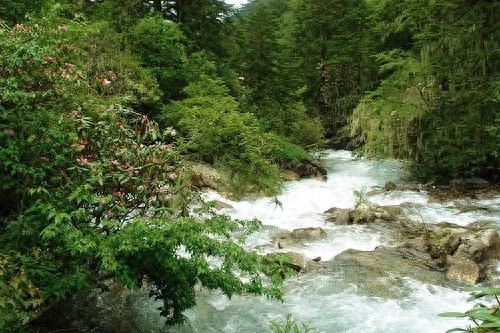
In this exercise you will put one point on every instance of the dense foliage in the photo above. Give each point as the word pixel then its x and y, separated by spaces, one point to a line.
pixel 93 188
pixel 411 79
pixel 437 103
pixel 104 103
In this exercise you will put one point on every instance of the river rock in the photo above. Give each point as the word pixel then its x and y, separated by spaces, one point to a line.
pixel 218 205
pixel 306 169
pixel 204 175
pixel 296 261
pixel 390 186
pixel 480 246
pixel 285 240
pixel 382 272
pixel 339 216
pixel 463 252
pixel 289 175
pixel 445 245
pixel 460 269
pixel 308 233
pixel 371 213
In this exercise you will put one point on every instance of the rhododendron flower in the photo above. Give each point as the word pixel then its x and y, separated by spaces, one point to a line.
pixel 82 160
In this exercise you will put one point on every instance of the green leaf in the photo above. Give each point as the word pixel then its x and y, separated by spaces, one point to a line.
pixel 453 314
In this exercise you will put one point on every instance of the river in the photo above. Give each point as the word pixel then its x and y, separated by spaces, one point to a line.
pixel 331 301
pixel 341 298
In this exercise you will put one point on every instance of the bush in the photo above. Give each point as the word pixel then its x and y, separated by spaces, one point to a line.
pixel 218 134
pixel 93 189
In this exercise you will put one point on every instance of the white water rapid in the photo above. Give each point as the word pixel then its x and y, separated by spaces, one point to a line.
pixel 329 301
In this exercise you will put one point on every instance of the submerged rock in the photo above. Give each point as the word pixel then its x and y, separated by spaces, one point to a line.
pixel 382 272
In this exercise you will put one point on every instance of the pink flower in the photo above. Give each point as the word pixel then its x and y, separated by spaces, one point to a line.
pixel 172 175
pixel 48 58
pixel 82 160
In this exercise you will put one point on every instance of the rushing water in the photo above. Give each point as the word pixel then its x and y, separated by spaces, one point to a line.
pixel 330 302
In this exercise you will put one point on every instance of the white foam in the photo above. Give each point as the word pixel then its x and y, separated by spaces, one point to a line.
pixel 327 302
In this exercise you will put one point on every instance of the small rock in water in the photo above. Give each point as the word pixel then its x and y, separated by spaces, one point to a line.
pixel 308 233
pixel 218 205
pixel 289 176
pixel 390 186
pixel 339 216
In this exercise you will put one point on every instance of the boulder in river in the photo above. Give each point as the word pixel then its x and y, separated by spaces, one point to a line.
pixel 371 213
pixel 463 253
pixel 383 272
pixel 362 214
pixel 204 175
pixel 477 250
pixel 289 175
pixel 306 169
pixel 296 261
pixel 219 205
pixel 390 186
pixel 308 233
pixel 340 216
pixel 285 240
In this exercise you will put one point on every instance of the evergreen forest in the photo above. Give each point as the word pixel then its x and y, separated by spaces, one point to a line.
pixel 105 105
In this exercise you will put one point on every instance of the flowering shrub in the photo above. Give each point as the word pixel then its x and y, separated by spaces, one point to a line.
pixel 91 189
